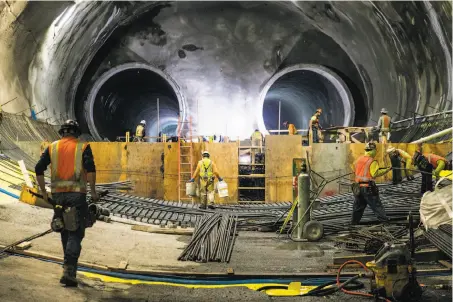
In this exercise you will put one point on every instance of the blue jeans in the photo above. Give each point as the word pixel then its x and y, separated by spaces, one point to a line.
pixel 72 241
pixel 365 198
pixel 314 130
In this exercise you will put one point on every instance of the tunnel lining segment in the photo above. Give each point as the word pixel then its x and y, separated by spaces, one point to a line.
pixel 89 104
pixel 332 77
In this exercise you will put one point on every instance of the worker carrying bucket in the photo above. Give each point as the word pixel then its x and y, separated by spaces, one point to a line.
pixel 207 170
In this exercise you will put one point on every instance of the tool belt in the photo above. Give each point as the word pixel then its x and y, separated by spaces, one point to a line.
pixel 71 219
pixel 371 188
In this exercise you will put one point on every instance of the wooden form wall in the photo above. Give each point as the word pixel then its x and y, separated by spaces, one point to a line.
pixel 141 163
pixel 225 156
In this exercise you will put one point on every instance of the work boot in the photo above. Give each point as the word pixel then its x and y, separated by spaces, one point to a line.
pixel 211 206
pixel 202 207
pixel 410 178
pixel 69 276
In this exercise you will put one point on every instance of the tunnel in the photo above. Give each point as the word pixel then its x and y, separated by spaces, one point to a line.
pixel 225 66
pixel 295 93
pixel 127 94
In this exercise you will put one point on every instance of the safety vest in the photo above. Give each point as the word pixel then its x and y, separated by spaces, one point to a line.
pixel 315 121
pixel 362 170
pixel 206 168
pixel 385 123
pixel 292 129
pixel 433 159
pixel 139 131
pixel 404 156
pixel 257 135
pixel 67 173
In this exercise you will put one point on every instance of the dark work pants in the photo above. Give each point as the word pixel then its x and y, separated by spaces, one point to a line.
pixel 427 179
pixel 315 134
pixel 396 173
pixel 72 241
pixel 367 198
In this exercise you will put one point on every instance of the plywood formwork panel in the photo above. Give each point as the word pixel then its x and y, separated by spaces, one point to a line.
pixel 226 158
pixel 144 169
pixel 108 158
pixel 171 171
pixel 280 151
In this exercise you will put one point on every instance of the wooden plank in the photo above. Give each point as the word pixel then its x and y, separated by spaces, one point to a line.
pixel 421 256
pixel 280 150
pixel 23 246
pixel 107 157
pixel 171 171
pixel 445 263
pixel 154 230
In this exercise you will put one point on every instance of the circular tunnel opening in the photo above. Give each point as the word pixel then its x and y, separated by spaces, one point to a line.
pixel 127 94
pixel 299 91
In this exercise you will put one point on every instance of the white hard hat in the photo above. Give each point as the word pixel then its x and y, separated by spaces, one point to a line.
pixel 383 110
pixel 391 149
pixel 205 153
pixel 142 122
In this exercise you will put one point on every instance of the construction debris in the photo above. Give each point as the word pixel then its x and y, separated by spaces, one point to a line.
pixel 213 239
pixel 441 238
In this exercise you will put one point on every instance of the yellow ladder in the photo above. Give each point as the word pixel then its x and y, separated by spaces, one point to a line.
pixel 185 159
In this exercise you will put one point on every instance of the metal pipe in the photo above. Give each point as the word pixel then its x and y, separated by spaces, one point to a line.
pixel 158 118
pixel 279 115
pixel 433 136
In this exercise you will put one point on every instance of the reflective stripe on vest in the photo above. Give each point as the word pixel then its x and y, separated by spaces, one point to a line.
pixel 206 168
pixel 362 169
pixel 433 159
pixel 67 173
pixel 139 130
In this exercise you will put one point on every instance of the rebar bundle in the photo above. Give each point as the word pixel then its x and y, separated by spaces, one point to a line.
pixel 441 238
pixel 212 240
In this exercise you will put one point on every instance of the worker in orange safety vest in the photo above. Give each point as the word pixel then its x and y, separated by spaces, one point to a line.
pixel 72 165
pixel 383 126
pixel 426 163
pixel 364 188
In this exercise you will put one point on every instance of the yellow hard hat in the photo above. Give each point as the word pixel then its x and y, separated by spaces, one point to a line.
pixel 391 150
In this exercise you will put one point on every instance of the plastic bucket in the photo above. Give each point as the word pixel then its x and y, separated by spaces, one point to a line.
pixel 222 188
pixel 191 188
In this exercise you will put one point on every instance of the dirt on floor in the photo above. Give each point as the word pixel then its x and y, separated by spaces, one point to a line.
pixel 26 279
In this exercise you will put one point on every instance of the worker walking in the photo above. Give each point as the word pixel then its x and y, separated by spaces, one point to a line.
pixel 314 125
pixel 206 169
pixel 72 165
pixel 426 163
pixel 140 132
pixel 291 128
pixel 364 188
pixel 257 144
pixel 383 126
pixel 398 157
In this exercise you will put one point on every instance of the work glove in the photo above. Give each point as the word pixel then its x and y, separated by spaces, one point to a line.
pixel 192 180
pixel 220 179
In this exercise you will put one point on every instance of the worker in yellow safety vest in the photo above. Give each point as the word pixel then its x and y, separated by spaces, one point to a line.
pixel 313 125
pixel 257 144
pixel 383 126
pixel 398 157
pixel 291 128
pixel 364 188
pixel 72 165
pixel 140 132
pixel 206 169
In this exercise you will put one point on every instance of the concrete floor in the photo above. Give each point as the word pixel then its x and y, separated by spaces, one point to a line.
pixel 23 279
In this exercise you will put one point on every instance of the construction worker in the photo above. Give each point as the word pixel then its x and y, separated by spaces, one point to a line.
pixel 426 163
pixel 72 165
pixel 384 126
pixel 313 125
pixel 364 188
pixel 398 157
pixel 257 141
pixel 140 132
pixel 206 169
pixel 291 128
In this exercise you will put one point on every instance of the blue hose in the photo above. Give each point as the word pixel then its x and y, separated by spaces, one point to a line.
pixel 9 193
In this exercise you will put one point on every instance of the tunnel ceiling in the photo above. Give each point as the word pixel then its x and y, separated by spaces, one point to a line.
pixel 220 55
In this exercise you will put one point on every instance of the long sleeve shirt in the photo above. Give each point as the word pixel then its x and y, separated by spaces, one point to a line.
pixel 374 167
pixel 87 161
pixel 197 170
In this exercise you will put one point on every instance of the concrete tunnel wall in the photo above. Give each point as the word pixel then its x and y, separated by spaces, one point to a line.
pixel 221 55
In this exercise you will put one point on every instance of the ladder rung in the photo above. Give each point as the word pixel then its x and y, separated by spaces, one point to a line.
pixel 185 172
pixel 185 163
pixel 186 146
